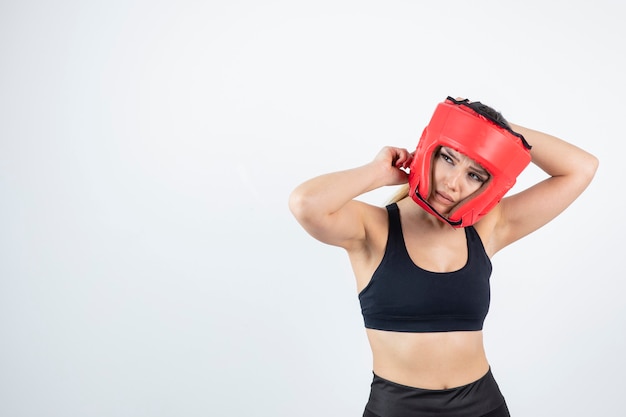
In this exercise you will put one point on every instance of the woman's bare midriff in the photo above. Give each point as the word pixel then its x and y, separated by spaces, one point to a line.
pixel 434 361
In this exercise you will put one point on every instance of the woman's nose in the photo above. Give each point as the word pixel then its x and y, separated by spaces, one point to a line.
pixel 452 180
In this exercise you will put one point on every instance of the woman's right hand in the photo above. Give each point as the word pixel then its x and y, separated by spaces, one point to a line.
pixel 393 163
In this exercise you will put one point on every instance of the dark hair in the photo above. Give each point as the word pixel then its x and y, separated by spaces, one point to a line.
pixel 490 113
pixel 484 110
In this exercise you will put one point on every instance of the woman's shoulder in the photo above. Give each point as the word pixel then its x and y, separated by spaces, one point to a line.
pixel 365 254
pixel 486 229
pixel 374 217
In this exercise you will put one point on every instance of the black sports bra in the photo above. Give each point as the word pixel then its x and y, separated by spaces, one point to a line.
pixel 403 297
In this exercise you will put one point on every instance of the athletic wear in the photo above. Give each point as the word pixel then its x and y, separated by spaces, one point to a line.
pixel 403 297
pixel 481 398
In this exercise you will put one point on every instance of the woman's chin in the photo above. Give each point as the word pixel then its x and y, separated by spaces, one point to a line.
pixel 444 210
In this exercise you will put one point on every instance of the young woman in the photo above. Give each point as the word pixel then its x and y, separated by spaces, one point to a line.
pixel 422 263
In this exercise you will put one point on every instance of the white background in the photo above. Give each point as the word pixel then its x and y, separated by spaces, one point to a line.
pixel 149 265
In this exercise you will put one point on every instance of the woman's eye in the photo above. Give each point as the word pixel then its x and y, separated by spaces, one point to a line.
pixel 476 177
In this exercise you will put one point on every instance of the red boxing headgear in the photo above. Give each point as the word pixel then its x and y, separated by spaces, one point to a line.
pixel 492 144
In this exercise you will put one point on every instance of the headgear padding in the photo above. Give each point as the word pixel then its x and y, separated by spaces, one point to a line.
pixel 499 150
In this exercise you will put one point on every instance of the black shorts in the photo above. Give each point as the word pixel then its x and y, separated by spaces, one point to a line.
pixel 481 398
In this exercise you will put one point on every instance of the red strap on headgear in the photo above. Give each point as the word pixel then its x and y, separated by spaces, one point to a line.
pixel 502 152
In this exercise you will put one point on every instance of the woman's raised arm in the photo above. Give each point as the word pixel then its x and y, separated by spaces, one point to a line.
pixel 325 205
pixel 570 168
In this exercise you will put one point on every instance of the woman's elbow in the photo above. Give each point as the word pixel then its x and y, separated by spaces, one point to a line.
pixel 299 204
pixel 591 164
pixel 586 170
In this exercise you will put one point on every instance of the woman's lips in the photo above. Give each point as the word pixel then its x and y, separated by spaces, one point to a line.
pixel 443 198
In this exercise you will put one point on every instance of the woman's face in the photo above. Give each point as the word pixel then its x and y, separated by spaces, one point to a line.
pixel 455 177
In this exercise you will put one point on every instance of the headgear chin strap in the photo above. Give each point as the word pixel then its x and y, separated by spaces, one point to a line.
pixel 499 150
